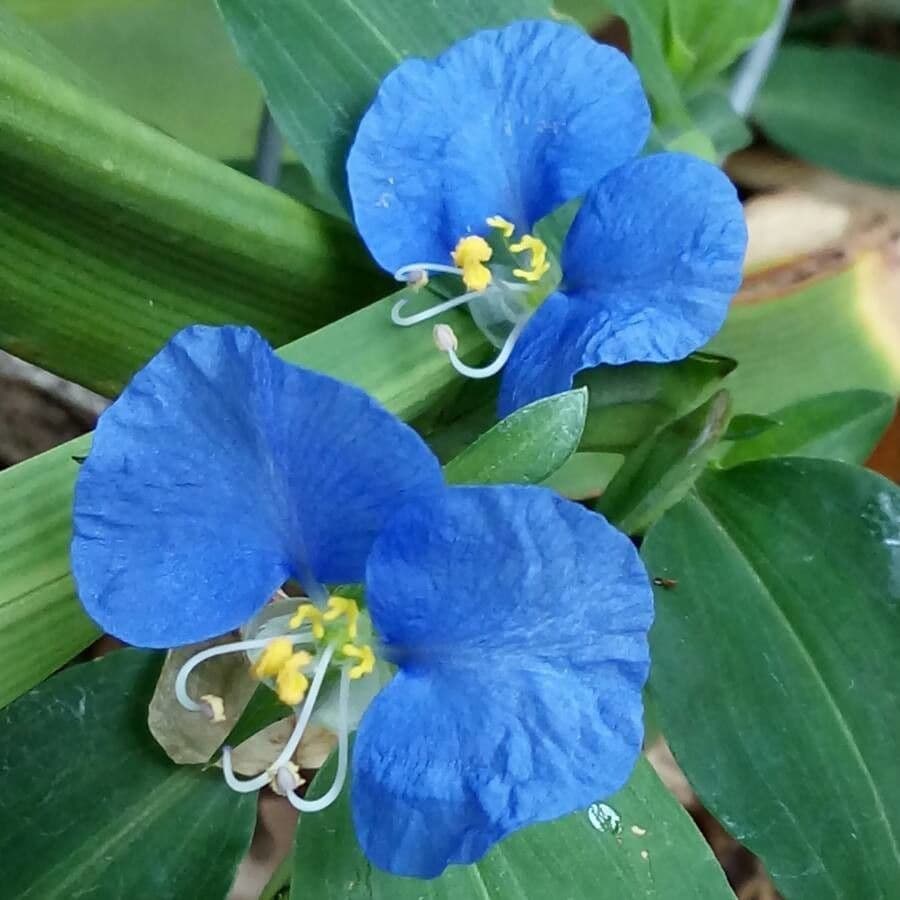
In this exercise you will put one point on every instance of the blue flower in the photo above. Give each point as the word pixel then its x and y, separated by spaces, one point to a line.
pixel 220 474
pixel 517 621
pixel 457 161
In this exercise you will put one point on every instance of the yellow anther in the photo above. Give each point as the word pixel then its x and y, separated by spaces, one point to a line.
pixel 539 264
pixel 365 656
pixel 470 255
pixel 343 606
pixel 291 683
pixel 503 225
pixel 311 612
pixel 276 653
pixel 279 661
pixel 215 707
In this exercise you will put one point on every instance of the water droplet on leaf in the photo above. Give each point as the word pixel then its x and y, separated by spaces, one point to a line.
pixel 604 818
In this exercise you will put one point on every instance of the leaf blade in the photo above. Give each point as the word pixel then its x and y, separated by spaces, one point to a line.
pixel 100 805
pixel 836 107
pixel 844 426
pixel 816 796
pixel 527 447
pixel 119 236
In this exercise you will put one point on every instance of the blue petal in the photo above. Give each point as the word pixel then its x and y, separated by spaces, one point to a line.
pixel 512 122
pixel 545 359
pixel 519 622
pixel 650 264
pixel 220 473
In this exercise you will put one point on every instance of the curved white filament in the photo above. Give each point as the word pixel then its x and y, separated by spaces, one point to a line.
pixel 236 647
pixel 494 367
pixel 403 273
pixel 431 312
pixel 340 776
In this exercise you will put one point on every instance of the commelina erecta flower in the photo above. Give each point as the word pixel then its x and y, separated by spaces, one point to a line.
pixel 515 621
pixel 458 159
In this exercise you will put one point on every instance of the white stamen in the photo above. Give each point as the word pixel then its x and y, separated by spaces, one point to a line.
pixel 413 272
pixel 432 311
pixel 494 367
pixel 343 754
pixel 238 646
pixel 246 786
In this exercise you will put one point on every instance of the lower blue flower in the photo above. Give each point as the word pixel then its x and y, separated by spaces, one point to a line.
pixel 518 622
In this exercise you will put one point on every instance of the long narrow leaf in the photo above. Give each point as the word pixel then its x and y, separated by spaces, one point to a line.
pixel 113 236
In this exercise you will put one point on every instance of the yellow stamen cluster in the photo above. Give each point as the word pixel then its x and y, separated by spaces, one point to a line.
pixel 337 624
pixel 539 263
pixel 279 661
pixel 470 255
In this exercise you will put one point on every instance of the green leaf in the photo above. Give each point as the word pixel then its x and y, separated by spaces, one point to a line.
pixel 117 258
pixel 747 425
pixel 526 447
pixel 585 476
pixel 844 426
pixel 706 36
pixel 167 62
pixel 662 469
pixel 775 666
pixel 591 855
pixel 646 21
pixel 92 805
pixel 41 623
pixel 321 61
pixel 836 107
pixel 627 403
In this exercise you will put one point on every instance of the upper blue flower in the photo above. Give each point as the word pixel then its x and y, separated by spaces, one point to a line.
pixel 459 158
pixel 517 620
pixel 221 473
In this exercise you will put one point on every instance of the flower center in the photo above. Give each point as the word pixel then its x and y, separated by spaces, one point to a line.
pixel 328 636
pixel 506 279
